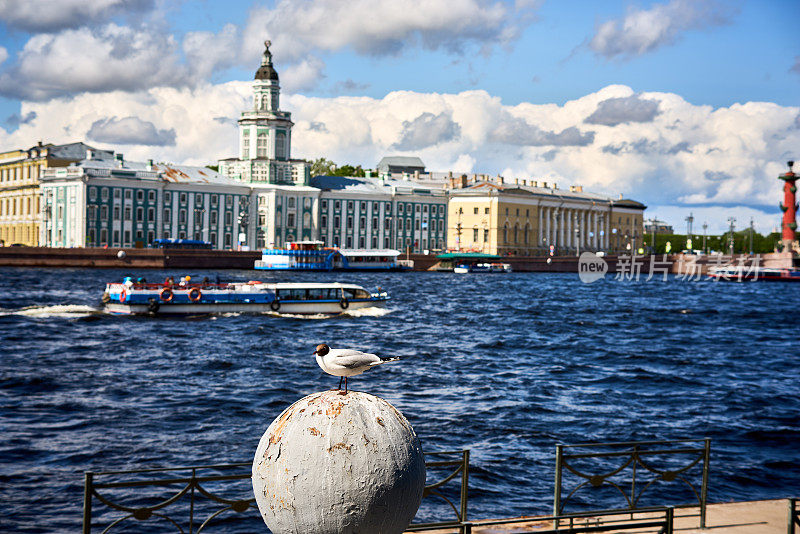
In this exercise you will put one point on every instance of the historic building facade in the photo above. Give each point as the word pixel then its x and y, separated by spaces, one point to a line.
pixel 20 196
pixel 107 201
pixel 373 213
pixel 521 219
pixel 265 136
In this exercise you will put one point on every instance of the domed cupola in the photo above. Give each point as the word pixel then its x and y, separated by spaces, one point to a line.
pixel 266 71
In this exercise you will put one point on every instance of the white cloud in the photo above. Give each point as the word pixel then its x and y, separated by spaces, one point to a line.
pixel 303 75
pixel 383 27
pixel 3 54
pixel 100 60
pixel 614 111
pixel 207 52
pixel 644 30
pixel 49 16
pixel 690 157
pixel 130 131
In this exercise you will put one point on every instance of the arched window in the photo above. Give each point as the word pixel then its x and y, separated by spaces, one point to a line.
pixel 505 233
pixel 516 234
pixel 527 233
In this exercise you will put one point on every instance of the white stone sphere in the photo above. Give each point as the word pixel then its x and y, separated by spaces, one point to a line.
pixel 338 464
pixel 121 254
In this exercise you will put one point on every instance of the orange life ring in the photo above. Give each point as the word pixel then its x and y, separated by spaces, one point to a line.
pixel 195 294
pixel 165 294
pixel 123 295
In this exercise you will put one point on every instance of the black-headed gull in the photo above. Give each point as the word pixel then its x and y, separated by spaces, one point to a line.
pixel 347 362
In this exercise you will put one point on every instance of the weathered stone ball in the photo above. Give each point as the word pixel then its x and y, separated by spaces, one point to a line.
pixel 121 254
pixel 337 464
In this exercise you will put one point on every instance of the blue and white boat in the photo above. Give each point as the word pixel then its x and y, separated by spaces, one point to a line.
pixel 131 298
pixel 313 256
pixel 464 268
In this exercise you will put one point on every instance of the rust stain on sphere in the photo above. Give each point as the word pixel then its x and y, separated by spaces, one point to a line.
pixel 337 464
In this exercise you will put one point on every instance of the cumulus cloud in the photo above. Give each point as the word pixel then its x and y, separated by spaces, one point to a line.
pixel 47 16
pixel 207 52
pixel 3 54
pixel 84 60
pixel 645 30
pixel 303 75
pixel 616 111
pixel 688 155
pixel 130 131
pixel 517 131
pixel 427 130
pixel 15 120
pixel 378 28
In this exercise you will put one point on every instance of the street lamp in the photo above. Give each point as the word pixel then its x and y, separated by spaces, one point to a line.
pixel 577 241
pixel 705 227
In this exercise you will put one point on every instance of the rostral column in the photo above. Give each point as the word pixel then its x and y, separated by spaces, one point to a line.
pixel 789 208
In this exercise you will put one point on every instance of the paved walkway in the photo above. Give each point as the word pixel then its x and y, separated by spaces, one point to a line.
pixel 750 517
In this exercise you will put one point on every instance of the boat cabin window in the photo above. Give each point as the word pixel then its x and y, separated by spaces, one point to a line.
pixel 352 293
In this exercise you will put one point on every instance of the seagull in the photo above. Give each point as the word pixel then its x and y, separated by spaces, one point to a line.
pixel 347 362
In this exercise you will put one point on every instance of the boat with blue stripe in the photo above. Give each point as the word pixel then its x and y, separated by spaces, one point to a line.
pixel 314 256
pixel 186 298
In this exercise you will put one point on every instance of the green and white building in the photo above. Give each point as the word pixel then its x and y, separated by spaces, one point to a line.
pixel 107 201
pixel 265 137
pixel 375 213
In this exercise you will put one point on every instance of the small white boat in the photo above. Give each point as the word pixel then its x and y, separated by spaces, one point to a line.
pixel 482 268
pixel 129 298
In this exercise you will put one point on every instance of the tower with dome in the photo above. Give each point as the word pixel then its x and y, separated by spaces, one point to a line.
pixel 265 136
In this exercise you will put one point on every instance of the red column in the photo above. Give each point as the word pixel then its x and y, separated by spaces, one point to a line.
pixel 789 207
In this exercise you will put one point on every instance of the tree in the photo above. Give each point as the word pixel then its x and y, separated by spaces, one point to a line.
pixel 322 167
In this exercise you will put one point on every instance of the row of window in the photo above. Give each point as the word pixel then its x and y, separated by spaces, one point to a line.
pixel 417 224
pixel 25 172
pixel 402 208
pixel 19 206
pixel 151 196
pixel 126 214
pixel 95 238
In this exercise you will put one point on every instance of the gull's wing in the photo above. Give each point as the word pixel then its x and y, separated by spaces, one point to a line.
pixel 353 359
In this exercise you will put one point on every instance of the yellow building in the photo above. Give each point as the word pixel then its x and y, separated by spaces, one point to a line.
pixel 533 218
pixel 20 196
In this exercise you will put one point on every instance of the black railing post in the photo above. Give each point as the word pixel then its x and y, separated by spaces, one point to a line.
pixel 670 516
pixel 557 496
pixel 704 488
pixel 87 502
pixel 790 527
pixel 191 502
pixel 465 485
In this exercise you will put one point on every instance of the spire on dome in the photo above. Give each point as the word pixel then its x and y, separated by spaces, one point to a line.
pixel 266 71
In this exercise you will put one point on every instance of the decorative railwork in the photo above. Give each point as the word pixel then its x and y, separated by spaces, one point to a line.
pixel 634 465
pixel 183 483
pixel 794 517
pixel 447 465
pixel 188 499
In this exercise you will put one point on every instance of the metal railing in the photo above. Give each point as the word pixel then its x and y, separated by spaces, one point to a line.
pixel 453 464
pixel 794 516
pixel 645 520
pixel 635 460
pixel 188 499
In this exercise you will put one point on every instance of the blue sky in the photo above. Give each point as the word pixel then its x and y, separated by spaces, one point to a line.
pixel 685 105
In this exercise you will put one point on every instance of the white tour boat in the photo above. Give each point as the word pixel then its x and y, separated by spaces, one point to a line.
pixel 132 298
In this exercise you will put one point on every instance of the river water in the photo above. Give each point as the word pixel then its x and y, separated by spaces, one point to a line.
pixel 503 365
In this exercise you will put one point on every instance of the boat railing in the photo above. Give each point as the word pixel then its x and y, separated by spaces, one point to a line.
pixel 178 286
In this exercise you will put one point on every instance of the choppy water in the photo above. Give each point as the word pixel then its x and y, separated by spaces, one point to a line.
pixel 503 365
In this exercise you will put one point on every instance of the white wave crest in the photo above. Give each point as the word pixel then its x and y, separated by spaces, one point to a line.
pixel 66 311
pixel 368 312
